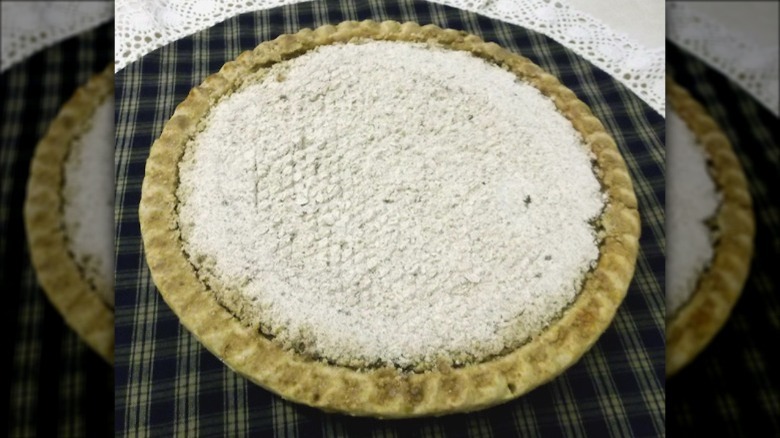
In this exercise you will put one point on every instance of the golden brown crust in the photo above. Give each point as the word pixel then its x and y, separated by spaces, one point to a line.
pixel 59 275
pixel 387 392
pixel 694 325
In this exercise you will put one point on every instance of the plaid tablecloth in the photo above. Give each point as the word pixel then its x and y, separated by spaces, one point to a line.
pixel 53 384
pixel 167 383
pixel 734 385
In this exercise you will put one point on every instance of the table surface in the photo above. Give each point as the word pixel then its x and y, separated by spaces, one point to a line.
pixel 167 383
pixel 641 20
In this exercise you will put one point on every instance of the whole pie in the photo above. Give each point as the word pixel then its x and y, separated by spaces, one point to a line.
pixel 709 228
pixel 389 220
pixel 69 213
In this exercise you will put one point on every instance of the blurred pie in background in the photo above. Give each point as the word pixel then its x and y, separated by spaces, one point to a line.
pixel 68 213
pixel 709 228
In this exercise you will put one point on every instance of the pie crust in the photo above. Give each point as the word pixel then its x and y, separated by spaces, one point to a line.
pixel 697 321
pixel 386 392
pixel 58 273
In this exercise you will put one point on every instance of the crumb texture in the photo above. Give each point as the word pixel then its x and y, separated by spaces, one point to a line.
pixel 390 203
pixel 88 207
pixel 691 202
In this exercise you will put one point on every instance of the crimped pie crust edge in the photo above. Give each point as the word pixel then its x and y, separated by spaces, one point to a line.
pixel 386 392
pixel 57 272
pixel 697 322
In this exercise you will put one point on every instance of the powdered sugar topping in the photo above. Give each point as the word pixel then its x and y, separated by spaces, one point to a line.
pixel 390 203
pixel 88 208
pixel 691 200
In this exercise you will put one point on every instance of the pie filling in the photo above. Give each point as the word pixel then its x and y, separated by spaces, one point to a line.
pixel 88 201
pixel 388 203
pixel 692 202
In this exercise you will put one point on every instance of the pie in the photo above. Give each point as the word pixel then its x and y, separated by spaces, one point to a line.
pixel 389 220
pixel 709 226
pixel 69 213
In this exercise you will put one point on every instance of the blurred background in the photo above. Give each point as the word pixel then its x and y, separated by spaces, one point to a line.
pixel 53 384
pixel 726 55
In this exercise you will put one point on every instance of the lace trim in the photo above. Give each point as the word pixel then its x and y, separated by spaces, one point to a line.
pixel 143 26
pixel 639 68
pixel 28 27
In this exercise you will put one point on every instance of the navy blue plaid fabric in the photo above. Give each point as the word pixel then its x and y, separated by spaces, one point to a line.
pixel 168 384
pixel 734 385
pixel 54 384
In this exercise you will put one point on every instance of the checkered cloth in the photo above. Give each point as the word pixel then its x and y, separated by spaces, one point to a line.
pixel 167 383
pixel 54 385
pixel 734 385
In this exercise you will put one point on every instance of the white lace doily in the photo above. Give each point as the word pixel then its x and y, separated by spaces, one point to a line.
pixel 143 26
pixel 744 60
pixel 639 68
pixel 28 27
